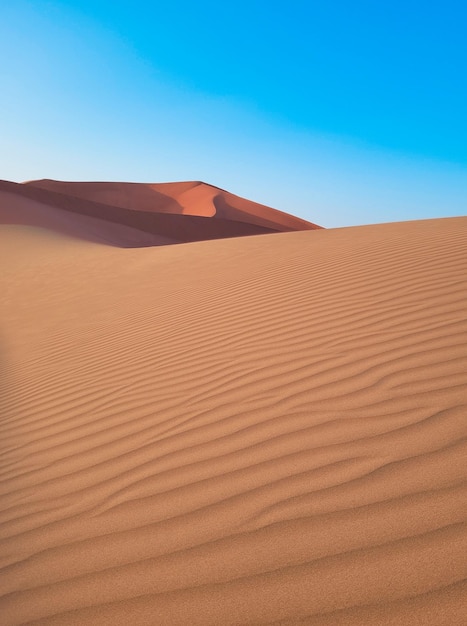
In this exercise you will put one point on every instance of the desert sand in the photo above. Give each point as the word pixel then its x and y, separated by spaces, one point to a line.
pixel 262 429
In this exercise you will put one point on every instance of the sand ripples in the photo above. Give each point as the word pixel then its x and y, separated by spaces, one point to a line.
pixel 260 430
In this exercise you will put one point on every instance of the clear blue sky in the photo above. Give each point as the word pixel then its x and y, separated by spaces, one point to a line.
pixel 340 112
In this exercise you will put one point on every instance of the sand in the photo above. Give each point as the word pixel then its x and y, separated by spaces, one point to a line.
pixel 123 226
pixel 267 429
pixel 187 198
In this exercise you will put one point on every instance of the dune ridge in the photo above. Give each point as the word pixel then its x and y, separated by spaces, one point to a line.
pixel 116 225
pixel 254 430
pixel 187 198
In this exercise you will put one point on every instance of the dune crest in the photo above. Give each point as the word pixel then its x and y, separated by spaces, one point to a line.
pixel 188 198
pixel 138 215
pixel 254 430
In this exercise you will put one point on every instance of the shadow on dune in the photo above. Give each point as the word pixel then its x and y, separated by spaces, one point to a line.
pixel 193 198
pixel 165 227
pixel 19 211
pixel 232 207
pixel 131 196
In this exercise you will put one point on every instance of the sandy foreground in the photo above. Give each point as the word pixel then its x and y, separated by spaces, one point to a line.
pixel 252 430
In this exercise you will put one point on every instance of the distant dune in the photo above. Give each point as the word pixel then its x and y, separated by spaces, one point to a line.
pixel 189 198
pixel 251 430
pixel 139 222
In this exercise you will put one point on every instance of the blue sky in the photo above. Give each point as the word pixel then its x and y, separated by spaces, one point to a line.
pixel 341 112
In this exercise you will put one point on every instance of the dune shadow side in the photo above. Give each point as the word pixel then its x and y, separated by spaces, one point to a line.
pixel 177 228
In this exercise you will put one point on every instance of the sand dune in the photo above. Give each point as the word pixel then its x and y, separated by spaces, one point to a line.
pixel 18 209
pixel 117 225
pixel 255 430
pixel 187 198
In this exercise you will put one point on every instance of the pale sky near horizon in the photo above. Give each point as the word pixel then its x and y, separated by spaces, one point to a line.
pixel 342 113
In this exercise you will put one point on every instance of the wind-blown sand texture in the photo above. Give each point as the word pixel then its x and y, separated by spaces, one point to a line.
pixel 253 430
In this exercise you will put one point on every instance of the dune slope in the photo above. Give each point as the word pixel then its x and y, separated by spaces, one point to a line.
pixel 50 213
pixel 188 198
pixel 249 431
pixel 115 225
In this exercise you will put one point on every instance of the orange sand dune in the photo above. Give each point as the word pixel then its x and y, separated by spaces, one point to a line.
pixel 255 430
pixel 188 198
pixel 146 227
pixel 16 208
